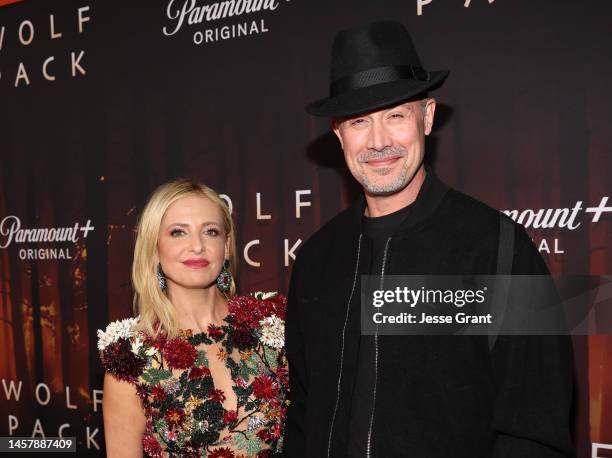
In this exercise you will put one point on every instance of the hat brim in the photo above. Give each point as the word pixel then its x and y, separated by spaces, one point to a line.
pixel 374 97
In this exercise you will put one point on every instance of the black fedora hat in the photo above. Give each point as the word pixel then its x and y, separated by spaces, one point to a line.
pixel 372 67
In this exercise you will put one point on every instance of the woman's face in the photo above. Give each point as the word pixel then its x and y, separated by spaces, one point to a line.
pixel 192 243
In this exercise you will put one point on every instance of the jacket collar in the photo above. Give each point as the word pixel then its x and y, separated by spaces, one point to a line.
pixel 428 199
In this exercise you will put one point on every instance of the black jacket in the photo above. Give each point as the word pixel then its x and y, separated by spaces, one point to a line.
pixel 436 396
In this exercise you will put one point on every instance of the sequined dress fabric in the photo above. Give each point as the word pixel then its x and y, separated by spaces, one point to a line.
pixel 186 414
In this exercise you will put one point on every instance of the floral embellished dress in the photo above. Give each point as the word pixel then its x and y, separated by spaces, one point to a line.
pixel 186 414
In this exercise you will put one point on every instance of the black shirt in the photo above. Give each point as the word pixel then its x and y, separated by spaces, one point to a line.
pixel 379 229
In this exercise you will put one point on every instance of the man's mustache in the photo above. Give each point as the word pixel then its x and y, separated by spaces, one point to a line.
pixel 383 154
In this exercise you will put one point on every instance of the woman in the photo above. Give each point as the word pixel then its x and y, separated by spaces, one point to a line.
pixel 199 372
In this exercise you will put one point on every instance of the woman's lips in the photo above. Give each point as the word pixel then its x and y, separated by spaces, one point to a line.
pixel 196 263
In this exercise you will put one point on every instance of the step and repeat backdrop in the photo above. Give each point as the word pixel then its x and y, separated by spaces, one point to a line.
pixel 101 101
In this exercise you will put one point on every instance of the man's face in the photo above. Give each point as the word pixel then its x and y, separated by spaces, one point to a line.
pixel 384 149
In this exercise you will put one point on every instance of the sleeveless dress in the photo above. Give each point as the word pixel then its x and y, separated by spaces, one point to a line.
pixel 184 410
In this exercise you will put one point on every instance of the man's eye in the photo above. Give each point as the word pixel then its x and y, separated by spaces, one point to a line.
pixel 358 121
pixel 397 115
pixel 176 232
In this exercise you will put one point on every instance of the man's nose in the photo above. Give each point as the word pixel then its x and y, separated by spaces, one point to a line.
pixel 379 137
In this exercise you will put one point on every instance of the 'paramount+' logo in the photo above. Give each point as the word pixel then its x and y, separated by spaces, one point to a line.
pixel 11 232
pixel 24 34
pixel 186 13
pixel 421 4
pixel 559 218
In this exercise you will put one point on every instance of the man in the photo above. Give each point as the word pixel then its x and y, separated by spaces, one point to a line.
pixel 416 396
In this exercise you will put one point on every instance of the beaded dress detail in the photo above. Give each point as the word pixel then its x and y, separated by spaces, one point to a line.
pixel 186 415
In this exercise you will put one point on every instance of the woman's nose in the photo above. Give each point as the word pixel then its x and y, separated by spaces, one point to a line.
pixel 197 246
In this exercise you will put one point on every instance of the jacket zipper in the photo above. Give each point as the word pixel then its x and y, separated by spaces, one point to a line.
pixel 382 278
pixel 348 306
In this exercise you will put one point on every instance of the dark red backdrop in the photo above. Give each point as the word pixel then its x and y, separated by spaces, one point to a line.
pixel 93 119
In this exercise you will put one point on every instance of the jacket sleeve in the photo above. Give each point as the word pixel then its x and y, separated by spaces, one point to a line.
pixel 295 440
pixel 534 375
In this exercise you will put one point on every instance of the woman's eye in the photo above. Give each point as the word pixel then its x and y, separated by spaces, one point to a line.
pixel 212 231
pixel 176 232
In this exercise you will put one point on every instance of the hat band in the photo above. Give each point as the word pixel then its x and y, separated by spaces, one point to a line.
pixel 377 75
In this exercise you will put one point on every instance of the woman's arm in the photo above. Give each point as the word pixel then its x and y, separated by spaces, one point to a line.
pixel 124 420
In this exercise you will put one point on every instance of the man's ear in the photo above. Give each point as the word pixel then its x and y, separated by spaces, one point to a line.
pixel 335 126
pixel 428 119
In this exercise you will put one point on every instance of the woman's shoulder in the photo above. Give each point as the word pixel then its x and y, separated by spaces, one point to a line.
pixel 124 350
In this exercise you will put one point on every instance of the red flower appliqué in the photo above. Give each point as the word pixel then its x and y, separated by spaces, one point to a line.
pixel 142 391
pixel 270 435
pixel 175 416
pixel 119 360
pixel 231 416
pixel 157 343
pixel 151 446
pixel 283 375
pixel 264 387
pixel 222 452
pixel 278 305
pixel 158 393
pixel 214 332
pixel 198 372
pixel 217 395
pixel 179 354
pixel 245 312
pixel 264 435
pixel 276 431
pixel 249 311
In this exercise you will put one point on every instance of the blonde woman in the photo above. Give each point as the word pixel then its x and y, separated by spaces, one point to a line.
pixel 199 371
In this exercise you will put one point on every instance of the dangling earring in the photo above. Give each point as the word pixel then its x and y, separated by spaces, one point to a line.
pixel 161 278
pixel 224 280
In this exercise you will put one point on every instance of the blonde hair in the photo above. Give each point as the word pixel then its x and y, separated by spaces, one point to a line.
pixel 156 312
